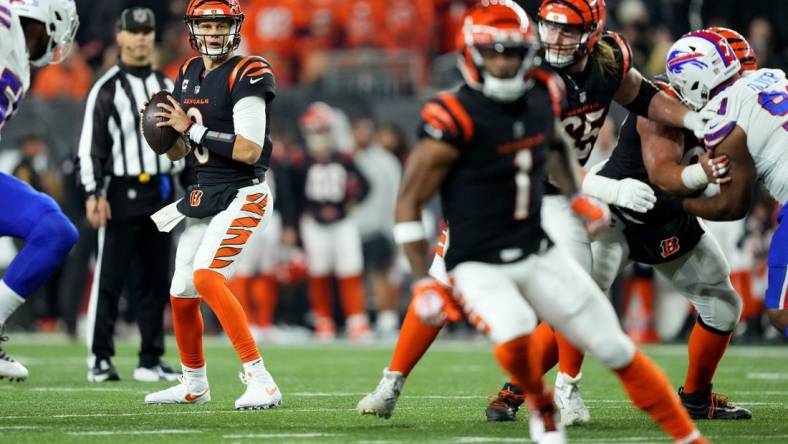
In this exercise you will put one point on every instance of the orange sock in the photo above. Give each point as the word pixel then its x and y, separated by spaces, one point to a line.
pixel 265 295
pixel 415 337
pixel 239 286
pixel 543 340
pixel 570 359
pixel 188 326
pixel 320 296
pixel 517 357
pixel 213 289
pixel 649 390
pixel 742 282
pixel 351 289
pixel 706 347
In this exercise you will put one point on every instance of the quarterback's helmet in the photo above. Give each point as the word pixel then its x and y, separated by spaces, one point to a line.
pixel 500 26
pixel 582 19
pixel 201 10
pixel 60 21
pixel 741 47
pixel 697 63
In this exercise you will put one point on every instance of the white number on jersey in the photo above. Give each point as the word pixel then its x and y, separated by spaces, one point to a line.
pixel 326 183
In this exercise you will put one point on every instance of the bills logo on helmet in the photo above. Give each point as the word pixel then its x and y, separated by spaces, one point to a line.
pixel 670 246
pixel 678 58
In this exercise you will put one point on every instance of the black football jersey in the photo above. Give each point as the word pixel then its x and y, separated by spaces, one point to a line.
pixel 327 187
pixel 492 195
pixel 209 98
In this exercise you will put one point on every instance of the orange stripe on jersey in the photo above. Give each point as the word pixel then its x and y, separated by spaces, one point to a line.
pixel 455 107
pixel 239 236
pixel 626 53
pixel 186 64
pixel 259 67
pixel 219 263
pixel 234 73
pixel 254 197
pixel 433 112
pixel 227 252
pixel 555 87
pixel 245 222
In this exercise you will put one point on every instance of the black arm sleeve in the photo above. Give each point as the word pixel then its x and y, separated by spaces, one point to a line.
pixel 641 102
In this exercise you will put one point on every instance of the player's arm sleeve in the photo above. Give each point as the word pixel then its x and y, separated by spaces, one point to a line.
pixel 249 119
pixel 95 141
pixel 445 119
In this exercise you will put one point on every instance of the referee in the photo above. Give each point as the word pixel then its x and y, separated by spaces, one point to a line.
pixel 125 182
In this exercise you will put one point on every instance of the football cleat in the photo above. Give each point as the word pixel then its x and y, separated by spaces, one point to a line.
pixel 261 390
pixel 569 401
pixel 505 405
pixel 9 367
pixel 191 392
pixel 159 372
pixel 382 401
pixel 325 330
pixel 709 405
pixel 544 422
pixel 102 370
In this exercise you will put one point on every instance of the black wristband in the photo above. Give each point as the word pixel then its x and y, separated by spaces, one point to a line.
pixel 641 102
pixel 219 143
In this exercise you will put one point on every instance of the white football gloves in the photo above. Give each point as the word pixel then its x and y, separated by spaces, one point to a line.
pixel 625 193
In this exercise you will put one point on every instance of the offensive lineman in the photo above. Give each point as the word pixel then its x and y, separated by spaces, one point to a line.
pixel 227 100
pixel 36 32
pixel 505 270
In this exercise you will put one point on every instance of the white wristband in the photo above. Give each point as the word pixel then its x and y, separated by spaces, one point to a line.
pixel 603 188
pixel 693 177
pixel 406 232
pixel 196 132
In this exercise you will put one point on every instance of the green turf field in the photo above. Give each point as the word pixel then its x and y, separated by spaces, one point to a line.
pixel 443 401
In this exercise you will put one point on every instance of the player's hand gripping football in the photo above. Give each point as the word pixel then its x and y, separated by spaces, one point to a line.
pixel 434 304
pixel 176 117
pixel 595 213
pixel 716 168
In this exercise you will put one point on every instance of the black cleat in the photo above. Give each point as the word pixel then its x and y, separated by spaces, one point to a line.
pixel 709 405
pixel 505 405
pixel 102 371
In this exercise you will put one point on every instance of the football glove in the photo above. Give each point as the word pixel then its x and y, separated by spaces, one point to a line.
pixel 434 304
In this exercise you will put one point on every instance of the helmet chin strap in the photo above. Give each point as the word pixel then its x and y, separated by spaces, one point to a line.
pixel 505 90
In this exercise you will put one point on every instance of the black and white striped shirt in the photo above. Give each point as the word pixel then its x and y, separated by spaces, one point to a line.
pixel 111 144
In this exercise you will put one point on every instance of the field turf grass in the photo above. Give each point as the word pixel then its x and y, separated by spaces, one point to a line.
pixel 443 401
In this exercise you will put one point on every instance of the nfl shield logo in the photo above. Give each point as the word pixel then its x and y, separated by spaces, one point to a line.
pixel 197 89
pixel 140 16
pixel 582 97
pixel 518 129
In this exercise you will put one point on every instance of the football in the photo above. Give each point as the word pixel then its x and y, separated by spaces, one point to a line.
pixel 159 139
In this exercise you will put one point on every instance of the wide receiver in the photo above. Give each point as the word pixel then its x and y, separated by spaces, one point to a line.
pixel 36 32
pixel 750 127
pixel 493 138
pixel 674 242
pixel 227 100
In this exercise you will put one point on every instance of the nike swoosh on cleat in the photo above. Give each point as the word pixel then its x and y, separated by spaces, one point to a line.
pixel 271 391
pixel 189 397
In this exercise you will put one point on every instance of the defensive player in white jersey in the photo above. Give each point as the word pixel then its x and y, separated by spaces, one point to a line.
pixel 37 32
pixel 750 128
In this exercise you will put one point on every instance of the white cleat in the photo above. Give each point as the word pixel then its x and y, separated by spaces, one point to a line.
pixel 545 426
pixel 181 394
pixel 382 401
pixel 568 399
pixel 11 368
pixel 261 390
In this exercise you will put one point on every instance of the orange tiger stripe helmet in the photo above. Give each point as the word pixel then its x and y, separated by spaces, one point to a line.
pixel 202 10
pixel 578 24
pixel 500 26
pixel 741 47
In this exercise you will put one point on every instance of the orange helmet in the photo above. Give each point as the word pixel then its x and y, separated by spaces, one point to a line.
pixel 202 10
pixel 741 47
pixel 584 19
pixel 499 26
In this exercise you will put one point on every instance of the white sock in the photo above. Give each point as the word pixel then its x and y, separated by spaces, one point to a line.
pixel 254 365
pixel 196 378
pixel 9 302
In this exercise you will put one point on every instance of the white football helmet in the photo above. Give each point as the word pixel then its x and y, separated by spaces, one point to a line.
pixel 697 63
pixel 60 20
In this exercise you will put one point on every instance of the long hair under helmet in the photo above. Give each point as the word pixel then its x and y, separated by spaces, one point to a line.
pixel 585 16
pixel 499 25
pixel 200 10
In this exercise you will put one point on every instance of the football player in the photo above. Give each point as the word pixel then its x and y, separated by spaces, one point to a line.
pixel 221 106
pixel 675 243
pixel 36 32
pixel 328 183
pixel 750 127
pixel 492 137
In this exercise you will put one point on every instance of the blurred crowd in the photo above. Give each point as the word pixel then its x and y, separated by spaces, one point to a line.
pixel 379 53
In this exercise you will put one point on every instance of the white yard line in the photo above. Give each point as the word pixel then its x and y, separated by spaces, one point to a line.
pixel 135 432
pixel 768 376
pixel 278 435
pixel 474 439
pixel 83 389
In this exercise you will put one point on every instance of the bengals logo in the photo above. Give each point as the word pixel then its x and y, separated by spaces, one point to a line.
pixel 670 246
pixel 195 198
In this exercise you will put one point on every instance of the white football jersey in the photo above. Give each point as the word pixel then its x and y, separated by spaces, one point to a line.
pixel 14 62
pixel 758 104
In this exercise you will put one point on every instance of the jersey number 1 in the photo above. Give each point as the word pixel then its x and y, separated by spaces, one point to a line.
pixel 522 181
